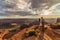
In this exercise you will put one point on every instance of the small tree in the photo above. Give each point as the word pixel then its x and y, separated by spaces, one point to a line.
pixel 32 33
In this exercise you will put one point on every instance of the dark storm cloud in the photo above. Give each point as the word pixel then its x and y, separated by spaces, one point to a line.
pixel 36 3
pixel 12 5
pixel 21 13
pixel 4 14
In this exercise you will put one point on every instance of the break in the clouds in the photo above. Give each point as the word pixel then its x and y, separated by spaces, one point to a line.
pixel 27 7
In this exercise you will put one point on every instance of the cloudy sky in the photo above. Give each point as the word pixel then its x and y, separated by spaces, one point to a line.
pixel 17 8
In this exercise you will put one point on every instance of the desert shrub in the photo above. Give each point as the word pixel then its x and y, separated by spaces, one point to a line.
pixel 31 33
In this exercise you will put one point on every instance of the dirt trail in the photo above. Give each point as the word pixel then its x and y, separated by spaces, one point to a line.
pixel 52 34
pixel 2 34
pixel 20 34
pixel 46 37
